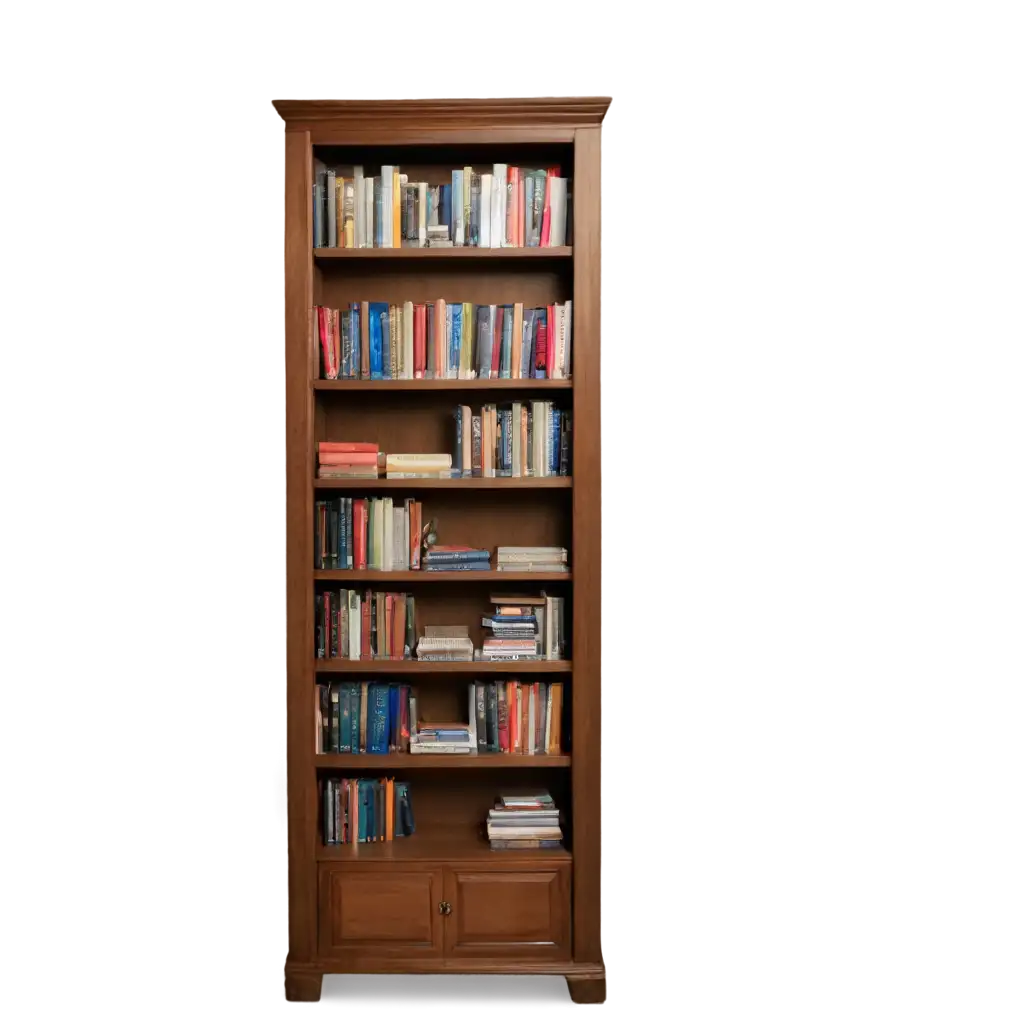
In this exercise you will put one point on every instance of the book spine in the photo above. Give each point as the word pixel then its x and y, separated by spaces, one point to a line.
pixel 502 698
pixel 492 717
pixel 481 718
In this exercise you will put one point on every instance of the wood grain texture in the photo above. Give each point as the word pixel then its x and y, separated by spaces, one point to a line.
pixel 302 983
pixel 457 253
pixel 299 604
pixel 586 990
pixel 388 667
pixel 586 521
pixel 369 763
pixel 376 386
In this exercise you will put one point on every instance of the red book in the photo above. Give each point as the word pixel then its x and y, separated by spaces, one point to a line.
pixel 503 721
pixel 415 529
pixel 348 458
pixel 419 341
pixel 358 534
pixel 540 362
pixel 545 224
pixel 329 370
pixel 336 338
pixel 346 446
pixel 389 618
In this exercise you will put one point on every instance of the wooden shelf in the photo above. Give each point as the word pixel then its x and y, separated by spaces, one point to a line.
pixel 431 843
pixel 422 576
pixel 368 763
pixel 411 667
pixel 465 252
pixel 501 384
pixel 529 483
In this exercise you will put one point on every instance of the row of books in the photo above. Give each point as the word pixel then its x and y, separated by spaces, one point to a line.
pixel 453 558
pixel 373 624
pixel 504 207
pixel 367 533
pixel 445 340
pixel 520 439
pixel 525 627
pixel 510 717
pixel 365 811
pixel 524 821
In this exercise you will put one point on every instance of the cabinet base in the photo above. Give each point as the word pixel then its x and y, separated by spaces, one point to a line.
pixel 586 990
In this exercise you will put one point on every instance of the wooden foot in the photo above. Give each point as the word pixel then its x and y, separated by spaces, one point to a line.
pixel 302 986
pixel 586 990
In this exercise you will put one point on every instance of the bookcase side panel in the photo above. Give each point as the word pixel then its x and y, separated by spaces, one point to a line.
pixel 586 522
pixel 302 921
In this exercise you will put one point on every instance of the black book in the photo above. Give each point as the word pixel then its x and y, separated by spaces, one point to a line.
pixel 481 719
pixel 492 717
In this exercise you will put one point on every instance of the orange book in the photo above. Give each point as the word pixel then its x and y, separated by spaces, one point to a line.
pixel 389 812
pixel 346 446
pixel 396 209
pixel 389 615
pixel 556 718
pixel 348 458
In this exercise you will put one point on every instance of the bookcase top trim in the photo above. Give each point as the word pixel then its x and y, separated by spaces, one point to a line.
pixel 548 112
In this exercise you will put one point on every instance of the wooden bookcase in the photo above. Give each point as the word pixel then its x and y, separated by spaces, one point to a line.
pixel 379 908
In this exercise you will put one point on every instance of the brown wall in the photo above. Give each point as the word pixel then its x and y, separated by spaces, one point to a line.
pixel 814 560
pixel 832 325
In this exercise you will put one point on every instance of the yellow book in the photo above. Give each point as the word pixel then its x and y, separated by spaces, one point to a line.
pixel 396 209
pixel 517 340
pixel 339 209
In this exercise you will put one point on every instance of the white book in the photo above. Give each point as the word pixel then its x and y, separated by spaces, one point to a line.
pixel 498 200
pixel 556 232
pixel 389 536
pixel 440 748
pixel 547 722
pixel 359 227
pixel 368 235
pixel 354 623
pixel 422 226
pixel 413 720
pixel 485 210
pixel 397 532
pixel 567 342
pixel 472 715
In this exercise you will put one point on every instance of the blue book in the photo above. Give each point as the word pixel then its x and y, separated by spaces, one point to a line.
pixel 456 309
pixel 362 799
pixel 505 365
pixel 385 331
pixel 457 203
pixel 456 556
pixel 445 213
pixel 556 440
pixel 356 700
pixel 378 310
pixel 394 717
pixel 342 537
pixel 355 326
pixel 377 741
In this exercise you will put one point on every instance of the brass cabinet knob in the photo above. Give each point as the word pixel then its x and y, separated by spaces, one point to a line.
pixel 444 908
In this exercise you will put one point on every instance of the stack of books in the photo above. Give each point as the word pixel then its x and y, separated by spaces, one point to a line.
pixel 445 643
pixel 533 559
pixel 415 466
pixel 367 533
pixel 524 821
pixel 365 811
pixel 513 630
pixel 453 558
pixel 442 738
pixel 339 459
pixel 491 207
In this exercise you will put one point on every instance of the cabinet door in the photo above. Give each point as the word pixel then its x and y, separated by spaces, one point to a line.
pixel 388 913
pixel 500 913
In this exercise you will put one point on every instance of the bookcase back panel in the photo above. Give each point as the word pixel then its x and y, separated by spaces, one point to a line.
pixel 456 604
pixel 396 423
pixel 462 799
pixel 434 164
pixel 538 282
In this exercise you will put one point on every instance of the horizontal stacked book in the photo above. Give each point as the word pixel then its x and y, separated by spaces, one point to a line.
pixel 445 340
pixel 453 558
pixel 365 811
pixel 445 643
pixel 364 718
pixel 532 559
pixel 524 821
pixel 490 206
pixel 443 738
pixel 418 466
pixel 340 459
pixel 522 628
pixel 371 624
pixel 367 533
pixel 519 439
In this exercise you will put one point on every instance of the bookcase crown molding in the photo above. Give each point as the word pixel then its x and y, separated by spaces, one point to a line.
pixel 456 115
